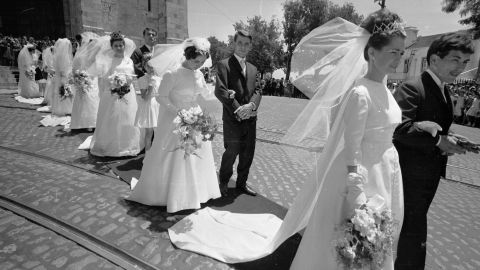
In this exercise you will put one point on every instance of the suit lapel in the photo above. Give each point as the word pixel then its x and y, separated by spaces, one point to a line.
pixel 432 86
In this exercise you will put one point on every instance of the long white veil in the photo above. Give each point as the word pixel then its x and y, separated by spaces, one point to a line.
pixel 326 64
pixel 47 57
pixel 25 58
pixel 63 58
pixel 84 52
pixel 98 55
pixel 170 56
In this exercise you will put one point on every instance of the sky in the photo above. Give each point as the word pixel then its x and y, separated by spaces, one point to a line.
pixel 216 17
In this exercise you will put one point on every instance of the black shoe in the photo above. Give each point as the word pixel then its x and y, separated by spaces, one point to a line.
pixel 224 189
pixel 247 190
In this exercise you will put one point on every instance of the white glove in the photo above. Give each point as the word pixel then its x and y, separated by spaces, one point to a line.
pixel 355 193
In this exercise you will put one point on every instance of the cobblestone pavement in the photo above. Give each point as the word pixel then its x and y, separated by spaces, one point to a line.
pixel 26 245
pixel 454 219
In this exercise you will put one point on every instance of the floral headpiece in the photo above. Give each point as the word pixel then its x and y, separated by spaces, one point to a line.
pixel 389 28
pixel 200 44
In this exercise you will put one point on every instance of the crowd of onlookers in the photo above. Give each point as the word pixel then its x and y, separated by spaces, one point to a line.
pixel 466 102
pixel 11 46
pixel 269 86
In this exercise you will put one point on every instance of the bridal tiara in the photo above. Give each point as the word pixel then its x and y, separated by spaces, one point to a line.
pixel 389 28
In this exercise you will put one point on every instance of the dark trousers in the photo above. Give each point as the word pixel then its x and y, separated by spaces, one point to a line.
pixel 419 186
pixel 239 140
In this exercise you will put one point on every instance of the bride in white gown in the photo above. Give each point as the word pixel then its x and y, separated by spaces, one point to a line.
pixel 85 102
pixel 63 56
pixel 115 135
pixel 169 178
pixel 27 59
pixel 358 146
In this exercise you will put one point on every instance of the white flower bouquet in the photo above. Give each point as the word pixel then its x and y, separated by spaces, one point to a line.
pixel 82 81
pixel 193 127
pixel 366 238
pixel 65 91
pixel 120 83
pixel 30 73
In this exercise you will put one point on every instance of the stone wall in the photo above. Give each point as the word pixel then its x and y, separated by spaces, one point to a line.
pixel 130 17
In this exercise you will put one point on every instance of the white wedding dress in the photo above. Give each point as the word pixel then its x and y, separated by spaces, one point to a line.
pixel 168 178
pixel 115 135
pixel 362 135
pixel 27 88
pixel 85 107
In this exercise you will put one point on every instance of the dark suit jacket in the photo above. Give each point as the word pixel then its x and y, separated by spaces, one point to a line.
pixel 421 100
pixel 137 58
pixel 229 76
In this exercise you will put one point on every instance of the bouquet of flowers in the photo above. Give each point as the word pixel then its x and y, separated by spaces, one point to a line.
pixel 65 91
pixel 30 73
pixel 366 239
pixel 120 83
pixel 82 81
pixel 193 127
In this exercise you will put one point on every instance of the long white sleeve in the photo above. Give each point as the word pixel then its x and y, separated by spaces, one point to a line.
pixel 164 91
pixel 355 118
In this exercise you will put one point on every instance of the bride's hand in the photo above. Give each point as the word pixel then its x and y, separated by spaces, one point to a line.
pixel 355 193
pixel 428 126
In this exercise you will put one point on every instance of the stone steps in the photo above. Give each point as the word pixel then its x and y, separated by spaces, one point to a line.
pixel 8 77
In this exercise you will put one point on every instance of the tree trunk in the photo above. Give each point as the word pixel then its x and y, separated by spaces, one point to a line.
pixel 477 77
pixel 289 61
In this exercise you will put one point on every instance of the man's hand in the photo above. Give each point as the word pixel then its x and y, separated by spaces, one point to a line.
pixel 231 94
pixel 466 144
pixel 448 144
pixel 244 111
pixel 428 126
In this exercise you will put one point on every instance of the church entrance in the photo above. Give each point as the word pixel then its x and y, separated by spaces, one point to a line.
pixel 36 18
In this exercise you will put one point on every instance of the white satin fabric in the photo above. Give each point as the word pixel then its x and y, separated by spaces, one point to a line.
pixel 85 103
pixel 63 58
pixel 362 134
pixel 148 107
pixel 168 178
pixel 27 88
pixel 115 134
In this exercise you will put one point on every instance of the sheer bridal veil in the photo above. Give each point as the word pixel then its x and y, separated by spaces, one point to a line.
pixel 325 65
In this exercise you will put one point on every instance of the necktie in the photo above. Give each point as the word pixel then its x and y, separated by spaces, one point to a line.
pixel 244 66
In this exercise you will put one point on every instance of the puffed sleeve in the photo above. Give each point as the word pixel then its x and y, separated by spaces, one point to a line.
pixel 355 118
pixel 166 85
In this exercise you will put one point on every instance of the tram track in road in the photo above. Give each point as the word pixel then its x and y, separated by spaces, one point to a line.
pixel 88 241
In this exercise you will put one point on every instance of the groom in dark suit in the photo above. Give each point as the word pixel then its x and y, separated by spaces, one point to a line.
pixel 235 88
pixel 424 141
pixel 150 38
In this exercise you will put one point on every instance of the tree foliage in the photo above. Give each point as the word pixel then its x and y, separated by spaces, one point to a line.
pixel 471 10
pixel 302 16
pixel 467 8
pixel 266 53
pixel 218 50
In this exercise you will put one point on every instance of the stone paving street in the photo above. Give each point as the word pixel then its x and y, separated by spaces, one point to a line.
pixel 70 185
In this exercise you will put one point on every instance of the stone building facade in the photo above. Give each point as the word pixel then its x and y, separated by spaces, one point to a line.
pixel 66 18
pixel 169 17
